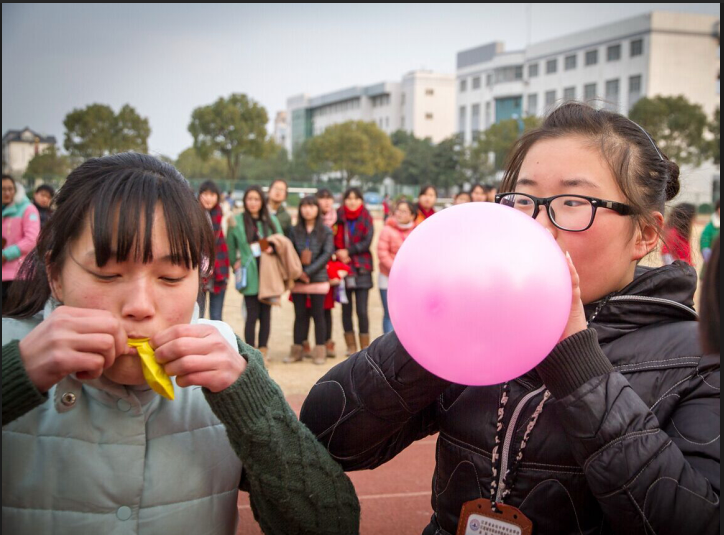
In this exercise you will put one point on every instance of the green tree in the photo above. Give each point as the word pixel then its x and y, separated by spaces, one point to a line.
pixel 231 127
pixel 417 167
pixel 676 124
pixel 48 165
pixel 715 130
pixel 447 163
pixel 192 166
pixel 498 140
pixel 354 148
pixel 96 131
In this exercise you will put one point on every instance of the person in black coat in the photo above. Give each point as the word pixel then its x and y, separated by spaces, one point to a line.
pixel 617 430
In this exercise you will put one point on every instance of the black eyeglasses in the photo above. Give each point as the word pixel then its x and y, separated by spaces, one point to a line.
pixel 573 213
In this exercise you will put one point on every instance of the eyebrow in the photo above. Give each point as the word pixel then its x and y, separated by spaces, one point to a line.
pixel 91 255
pixel 568 183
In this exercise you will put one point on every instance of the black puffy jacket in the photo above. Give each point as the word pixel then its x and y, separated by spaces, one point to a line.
pixel 628 442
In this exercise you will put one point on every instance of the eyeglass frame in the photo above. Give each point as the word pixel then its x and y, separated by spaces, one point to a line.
pixel 596 203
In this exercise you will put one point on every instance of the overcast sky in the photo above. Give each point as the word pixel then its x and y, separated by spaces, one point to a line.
pixel 165 59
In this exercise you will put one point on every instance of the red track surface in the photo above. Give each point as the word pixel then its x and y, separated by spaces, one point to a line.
pixel 395 497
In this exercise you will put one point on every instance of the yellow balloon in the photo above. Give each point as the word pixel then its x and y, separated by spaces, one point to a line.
pixel 152 370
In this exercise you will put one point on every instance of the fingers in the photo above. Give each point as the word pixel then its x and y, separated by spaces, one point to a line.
pixel 181 331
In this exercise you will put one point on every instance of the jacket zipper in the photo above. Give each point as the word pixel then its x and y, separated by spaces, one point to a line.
pixel 509 438
pixel 658 300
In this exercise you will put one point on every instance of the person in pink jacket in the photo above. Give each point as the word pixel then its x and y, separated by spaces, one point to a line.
pixel 396 230
pixel 21 226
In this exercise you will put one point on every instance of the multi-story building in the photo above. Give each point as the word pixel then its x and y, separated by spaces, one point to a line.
pixel 613 66
pixel 419 104
pixel 281 129
pixel 21 146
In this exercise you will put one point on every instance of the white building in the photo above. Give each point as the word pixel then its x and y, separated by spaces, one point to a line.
pixel 419 104
pixel 281 129
pixel 659 53
pixel 21 146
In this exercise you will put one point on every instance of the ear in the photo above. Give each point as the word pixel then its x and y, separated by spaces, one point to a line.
pixel 56 287
pixel 647 236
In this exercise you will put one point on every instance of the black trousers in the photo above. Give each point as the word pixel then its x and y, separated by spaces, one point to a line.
pixel 361 297
pixel 303 315
pixel 261 312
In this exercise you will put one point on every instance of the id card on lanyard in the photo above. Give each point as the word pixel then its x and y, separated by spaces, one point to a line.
pixel 479 518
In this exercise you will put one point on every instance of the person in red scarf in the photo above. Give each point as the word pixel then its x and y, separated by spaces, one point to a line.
pixel 352 239
pixel 215 286
pixel 426 203
pixel 677 236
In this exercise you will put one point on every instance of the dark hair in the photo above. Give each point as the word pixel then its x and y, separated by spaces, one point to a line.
pixel 324 193
pixel 286 186
pixel 117 195
pixel 476 186
pixel 427 187
pixel 717 205
pixel 211 186
pixel 645 175
pixel 460 194
pixel 47 188
pixel 487 188
pixel 681 218
pixel 357 192
pixel 264 217
pixel 11 179
pixel 412 206
pixel 709 323
pixel 319 229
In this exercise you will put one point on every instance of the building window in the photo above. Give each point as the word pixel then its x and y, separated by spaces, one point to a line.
pixel 461 120
pixel 612 94
pixel 429 92
pixel 551 66
pixel 533 104
pixel 476 82
pixel 428 116
pixel 570 62
pixel 569 93
pixel 402 122
pixel 387 122
pixel 532 70
pixel 475 120
pixel 463 86
pixel 488 115
pixel 613 53
pixel 550 97
pixel 637 47
pixel 489 80
pixel 402 99
pixel 592 57
pixel 508 74
pixel 634 90
pixel 589 92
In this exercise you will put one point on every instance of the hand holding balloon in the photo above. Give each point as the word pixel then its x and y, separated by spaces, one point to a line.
pixel 489 314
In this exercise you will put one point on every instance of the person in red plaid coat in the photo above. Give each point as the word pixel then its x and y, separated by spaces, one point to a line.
pixel 215 286
pixel 352 239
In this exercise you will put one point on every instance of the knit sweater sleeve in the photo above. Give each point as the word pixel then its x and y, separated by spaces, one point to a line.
pixel 19 394
pixel 295 486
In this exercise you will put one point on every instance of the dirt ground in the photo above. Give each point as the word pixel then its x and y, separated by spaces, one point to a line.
pixel 298 378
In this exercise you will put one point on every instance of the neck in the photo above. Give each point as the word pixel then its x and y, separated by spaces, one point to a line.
pixel 274 205
pixel 309 225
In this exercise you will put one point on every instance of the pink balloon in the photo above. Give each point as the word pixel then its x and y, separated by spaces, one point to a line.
pixel 479 294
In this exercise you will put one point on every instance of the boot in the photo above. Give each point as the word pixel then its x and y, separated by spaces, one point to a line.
pixel 265 353
pixel 295 355
pixel 364 341
pixel 351 341
pixel 306 350
pixel 330 349
pixel 319 354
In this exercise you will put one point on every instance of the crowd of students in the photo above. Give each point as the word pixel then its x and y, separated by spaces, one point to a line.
pixel 617 430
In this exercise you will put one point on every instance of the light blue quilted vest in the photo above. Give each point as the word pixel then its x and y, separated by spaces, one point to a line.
pixel 100 458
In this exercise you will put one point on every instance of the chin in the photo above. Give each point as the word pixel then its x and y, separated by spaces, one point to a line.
pixel 126 370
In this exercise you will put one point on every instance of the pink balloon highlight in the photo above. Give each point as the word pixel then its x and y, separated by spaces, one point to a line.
pixel 479 294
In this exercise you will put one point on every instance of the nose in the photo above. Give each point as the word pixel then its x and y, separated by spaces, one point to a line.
pixel 545 221
pixel 139 302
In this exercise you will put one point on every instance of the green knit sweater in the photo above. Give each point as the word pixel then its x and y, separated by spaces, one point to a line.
pixel 295 486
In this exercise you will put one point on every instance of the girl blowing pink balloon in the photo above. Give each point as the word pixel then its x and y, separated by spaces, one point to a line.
pixel 617 429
